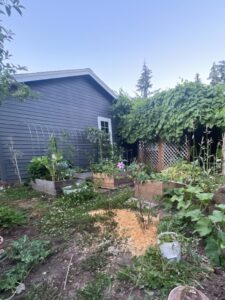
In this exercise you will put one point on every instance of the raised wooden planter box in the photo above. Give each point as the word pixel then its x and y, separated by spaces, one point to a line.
pixel 111 182
pixel 51 187
pixel 150 189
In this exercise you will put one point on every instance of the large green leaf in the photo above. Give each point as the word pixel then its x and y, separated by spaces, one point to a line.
pixel 213 250
pixel 221 206
pixel 204 226
pixel 217 216
pixel 194 214
pixel 205 197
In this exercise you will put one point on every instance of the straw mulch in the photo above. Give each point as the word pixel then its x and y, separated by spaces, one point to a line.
pixel 136 238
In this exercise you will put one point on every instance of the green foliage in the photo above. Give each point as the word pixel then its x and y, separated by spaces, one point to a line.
pixel 17 193
pixel 9 86
pixel 108 167
pixel 101 140
pixel 183 172
pixel 9 217
pixel 95 262
pixel 217 73
pixel 84 194
pixel 153 272
pixel 26 254
pixel 170 114
pixel 43 291
pixel 94 290
pixel 193 205
pixel 37 168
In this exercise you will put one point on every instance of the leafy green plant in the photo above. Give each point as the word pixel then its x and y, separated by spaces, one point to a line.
pixel 9 217
pixel 109 167
pixel 37 168
pixel 94 290
pixel 153 272
pixel 83 194
pixel 26 254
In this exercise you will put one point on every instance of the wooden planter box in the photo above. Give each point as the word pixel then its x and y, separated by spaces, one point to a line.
pixel 111 182
pixel 51 187
pixel 150 189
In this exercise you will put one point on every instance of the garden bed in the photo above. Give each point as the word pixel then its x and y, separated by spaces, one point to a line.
pixel 111 182
pixel 150 189
pixel 51 187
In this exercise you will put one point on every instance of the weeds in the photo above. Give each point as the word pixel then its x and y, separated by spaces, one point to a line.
pixel 95 289
pixel 26 254
pixel 153 272
pixel 9 217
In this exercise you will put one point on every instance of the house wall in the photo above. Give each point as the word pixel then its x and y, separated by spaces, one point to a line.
pixel 65 107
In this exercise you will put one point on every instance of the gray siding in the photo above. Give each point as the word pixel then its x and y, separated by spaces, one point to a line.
pixel 65 107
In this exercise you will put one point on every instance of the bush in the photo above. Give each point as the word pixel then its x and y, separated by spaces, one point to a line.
pixel 37 169
pixel 10 217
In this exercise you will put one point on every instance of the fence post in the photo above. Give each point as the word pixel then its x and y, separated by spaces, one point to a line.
pixel 161 156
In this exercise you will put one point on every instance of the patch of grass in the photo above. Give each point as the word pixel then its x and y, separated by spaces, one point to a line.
pixel 18 193
pixel 154 273
pixel 95 262
pixel 95 289
pixel 63 221
pixel 9 217
pixel 116 201
pixel 43 291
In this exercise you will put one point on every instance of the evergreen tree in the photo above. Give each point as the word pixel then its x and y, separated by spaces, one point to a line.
pixel 144 82
pixel 221 70
pixel 197 78
pixel 214 75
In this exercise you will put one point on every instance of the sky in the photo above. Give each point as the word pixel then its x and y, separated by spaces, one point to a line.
pixel 176 38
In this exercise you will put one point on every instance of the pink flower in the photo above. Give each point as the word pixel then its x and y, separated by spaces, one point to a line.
pixel 120 165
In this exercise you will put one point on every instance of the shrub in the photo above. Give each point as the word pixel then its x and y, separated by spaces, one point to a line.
pixel 10 217
pixel 37 169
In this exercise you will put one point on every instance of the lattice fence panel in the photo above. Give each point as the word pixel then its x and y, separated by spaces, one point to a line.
pixel 149 154
pixel 162 155
pixel 172 152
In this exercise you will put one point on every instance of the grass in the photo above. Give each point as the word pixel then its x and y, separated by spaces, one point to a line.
pixel 154 273
pixel 95 289
pixel 17 193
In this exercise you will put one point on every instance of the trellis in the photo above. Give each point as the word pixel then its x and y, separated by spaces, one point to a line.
pixel 162 154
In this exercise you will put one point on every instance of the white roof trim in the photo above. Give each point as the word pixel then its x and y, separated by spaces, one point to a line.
pixel 27 77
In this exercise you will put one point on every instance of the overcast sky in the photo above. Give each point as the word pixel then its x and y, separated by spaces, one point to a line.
pixel 177 38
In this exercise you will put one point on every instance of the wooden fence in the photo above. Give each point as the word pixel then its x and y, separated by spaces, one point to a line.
pixel 162 154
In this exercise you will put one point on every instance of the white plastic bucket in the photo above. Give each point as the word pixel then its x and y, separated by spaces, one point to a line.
pixel 170 250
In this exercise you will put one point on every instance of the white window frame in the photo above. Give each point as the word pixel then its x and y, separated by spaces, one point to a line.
pixel 103 119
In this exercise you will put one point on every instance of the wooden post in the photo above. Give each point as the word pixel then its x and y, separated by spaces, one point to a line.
pixel 223 155
pixel 161 156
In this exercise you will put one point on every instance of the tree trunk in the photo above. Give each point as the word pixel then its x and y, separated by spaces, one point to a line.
pixel 223 155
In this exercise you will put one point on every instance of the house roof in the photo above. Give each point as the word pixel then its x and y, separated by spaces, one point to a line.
pixel 28 77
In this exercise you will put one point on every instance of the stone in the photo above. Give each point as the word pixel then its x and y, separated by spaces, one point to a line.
pixel 20 288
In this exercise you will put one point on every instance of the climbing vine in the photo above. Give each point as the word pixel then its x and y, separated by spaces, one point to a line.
pixel 169 114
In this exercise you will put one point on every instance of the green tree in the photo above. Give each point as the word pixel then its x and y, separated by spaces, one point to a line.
pixel 197 78
pixel 217 73
pixel 9 86
pixel 144 82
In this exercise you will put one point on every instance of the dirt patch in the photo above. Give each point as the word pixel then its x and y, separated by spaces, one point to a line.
pixel 213 287
pixel 137 239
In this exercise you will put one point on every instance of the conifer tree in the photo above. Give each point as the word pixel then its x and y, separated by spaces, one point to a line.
pixel 144 82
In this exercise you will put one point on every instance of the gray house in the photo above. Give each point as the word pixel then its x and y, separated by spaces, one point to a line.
pixel 68 102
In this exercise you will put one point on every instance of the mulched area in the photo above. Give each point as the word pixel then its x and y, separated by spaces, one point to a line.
pixel 130 228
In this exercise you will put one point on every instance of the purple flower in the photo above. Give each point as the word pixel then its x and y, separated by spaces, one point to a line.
pixel 121 165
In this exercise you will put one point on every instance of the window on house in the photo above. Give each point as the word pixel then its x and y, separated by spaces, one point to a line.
pixel 105 125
